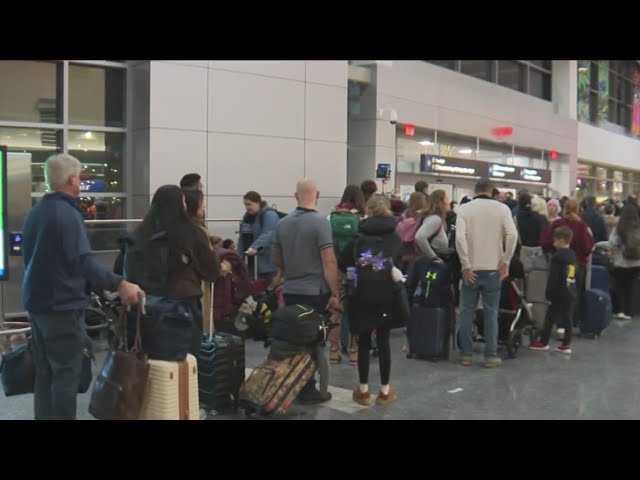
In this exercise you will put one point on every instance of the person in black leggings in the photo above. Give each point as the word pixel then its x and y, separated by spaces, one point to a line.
pixel 384 355
pixel 376 233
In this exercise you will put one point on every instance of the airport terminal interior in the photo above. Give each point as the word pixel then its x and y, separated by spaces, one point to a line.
pixel 550 137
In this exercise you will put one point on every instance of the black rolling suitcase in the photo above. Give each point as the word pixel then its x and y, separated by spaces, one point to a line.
pixel 432 319
pixel 596 312
pixel 221 368
pixel 429 330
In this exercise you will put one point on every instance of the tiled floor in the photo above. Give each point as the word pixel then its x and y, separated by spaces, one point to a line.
pixel 598 381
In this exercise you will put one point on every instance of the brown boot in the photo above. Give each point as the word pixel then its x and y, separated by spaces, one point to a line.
pixel 362 398
pixel 384 400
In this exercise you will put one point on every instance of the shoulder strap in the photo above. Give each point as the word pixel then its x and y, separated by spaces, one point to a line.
pixel 430 239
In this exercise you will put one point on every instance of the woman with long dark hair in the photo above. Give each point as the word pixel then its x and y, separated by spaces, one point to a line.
pixel 171 255
pixel 256 234
pixel 625 238
pixel 194 201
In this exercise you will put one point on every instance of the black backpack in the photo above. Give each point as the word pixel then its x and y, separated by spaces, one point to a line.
pixel 374 283
pixel 430 283
pixel 281 215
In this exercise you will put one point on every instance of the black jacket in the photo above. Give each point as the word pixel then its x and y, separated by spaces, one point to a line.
pixel 530 227
pixel 363 317
pixel 383 227
pixel 596 223
pixel 561 286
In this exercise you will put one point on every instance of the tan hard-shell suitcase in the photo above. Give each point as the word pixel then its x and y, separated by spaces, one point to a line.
pixel 172 391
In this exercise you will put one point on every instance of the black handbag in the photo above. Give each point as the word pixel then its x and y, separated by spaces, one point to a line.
pixel 166 328
pixel 18 370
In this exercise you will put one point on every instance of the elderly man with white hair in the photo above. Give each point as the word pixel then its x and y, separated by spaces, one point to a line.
pixel 58 264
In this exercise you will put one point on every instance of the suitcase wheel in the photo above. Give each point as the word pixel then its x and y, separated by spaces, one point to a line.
pixel 514 342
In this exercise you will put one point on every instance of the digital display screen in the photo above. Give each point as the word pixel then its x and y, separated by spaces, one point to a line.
pixel 3 214
pixel 383 171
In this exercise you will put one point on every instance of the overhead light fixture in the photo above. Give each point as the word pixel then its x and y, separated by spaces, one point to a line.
pixel 79 145
pixel 425 143
pixel 88 135
pixel 465 151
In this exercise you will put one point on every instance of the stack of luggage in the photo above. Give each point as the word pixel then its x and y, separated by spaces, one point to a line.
pixel 298 334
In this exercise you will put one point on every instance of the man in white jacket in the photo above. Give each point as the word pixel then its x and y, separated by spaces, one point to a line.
pixel 486 238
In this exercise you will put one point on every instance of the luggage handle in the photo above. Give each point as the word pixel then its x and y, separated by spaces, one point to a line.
pixel 255 263
pixel 120 327
pixel 212 326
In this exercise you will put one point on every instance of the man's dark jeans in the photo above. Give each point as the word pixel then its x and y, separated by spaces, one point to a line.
pixel 57 343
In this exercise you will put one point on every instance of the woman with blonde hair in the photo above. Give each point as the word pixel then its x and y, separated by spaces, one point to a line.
pixel 539 205
pixel 373 306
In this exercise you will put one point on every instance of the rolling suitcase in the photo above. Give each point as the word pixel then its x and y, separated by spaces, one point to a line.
pixel 172 391
pixel 428 331
pixel 596 312
pixel 221 365
pixel 536 285
pixel 599 278
pixel 274 384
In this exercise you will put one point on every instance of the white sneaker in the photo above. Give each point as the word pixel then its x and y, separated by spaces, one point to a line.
pixel 625 316
pixel 620 315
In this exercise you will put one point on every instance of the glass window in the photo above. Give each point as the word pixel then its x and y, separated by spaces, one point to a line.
pixel 31 91
pixel 409 149
pixel 540 84
pixel 96 96
pixel 511 74
pixel 451 145
pixel 495 152
pixel 40 144
pixel 477 68
pixel 102 155
pixel 103 237
pixel 546 64
pixel 528 157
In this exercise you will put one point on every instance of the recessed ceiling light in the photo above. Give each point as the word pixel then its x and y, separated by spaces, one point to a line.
pixel 88 135
pixel 465 151
pixel 425 142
